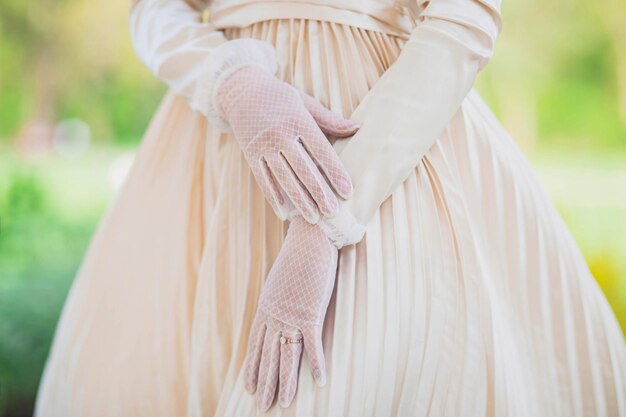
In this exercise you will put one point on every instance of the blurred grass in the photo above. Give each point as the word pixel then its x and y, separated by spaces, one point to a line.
pixel 48 212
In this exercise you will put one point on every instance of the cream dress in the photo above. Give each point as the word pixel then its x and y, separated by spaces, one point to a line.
pixel 467 297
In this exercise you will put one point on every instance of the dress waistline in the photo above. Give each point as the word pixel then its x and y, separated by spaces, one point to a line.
pixel 392 20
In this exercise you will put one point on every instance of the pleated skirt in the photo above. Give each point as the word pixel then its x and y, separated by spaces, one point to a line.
pixel 467 297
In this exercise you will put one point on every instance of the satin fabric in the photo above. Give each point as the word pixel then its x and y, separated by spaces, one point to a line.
pixel 467 297
pixel 176 46
pixel 386 16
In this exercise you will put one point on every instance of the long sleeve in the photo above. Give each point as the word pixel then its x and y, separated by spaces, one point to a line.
pixel 409 107
pixel 190 56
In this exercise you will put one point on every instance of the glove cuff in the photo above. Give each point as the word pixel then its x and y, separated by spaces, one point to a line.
pixel 342 228
pixel 224 60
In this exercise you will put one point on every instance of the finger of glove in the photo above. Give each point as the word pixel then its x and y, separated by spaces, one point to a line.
pixel 309 174
pixel 253 355
pixel 324 155
pixel 293 188
pixel 269 188
pixel 330 122
pixel 290 354
pixel 268 370
pixel 315 353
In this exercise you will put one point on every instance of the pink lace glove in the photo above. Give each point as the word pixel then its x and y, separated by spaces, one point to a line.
pixel 290 315
pixel 281 132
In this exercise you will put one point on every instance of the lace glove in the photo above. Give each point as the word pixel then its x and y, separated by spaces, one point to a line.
pixel 281 132
pixel 409 107
pixel 290 315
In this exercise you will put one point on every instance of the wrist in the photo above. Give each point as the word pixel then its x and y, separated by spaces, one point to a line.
pixel 234 84
pixel 341 228
pixel 225 60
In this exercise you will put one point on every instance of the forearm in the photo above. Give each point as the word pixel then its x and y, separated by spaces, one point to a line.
pixel 189 55
pixel 378 166
pixel 412 103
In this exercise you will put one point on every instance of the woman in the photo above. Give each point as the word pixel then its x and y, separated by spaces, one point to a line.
pixel 424 270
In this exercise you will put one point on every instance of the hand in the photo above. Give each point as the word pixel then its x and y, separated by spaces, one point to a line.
pixel 290 315
pixel 281 132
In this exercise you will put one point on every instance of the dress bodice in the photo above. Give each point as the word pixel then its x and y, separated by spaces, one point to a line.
pixel 389 16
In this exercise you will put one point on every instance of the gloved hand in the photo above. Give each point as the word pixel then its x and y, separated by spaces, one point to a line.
pixel 234 84
pixel 281 132
pixel 290 315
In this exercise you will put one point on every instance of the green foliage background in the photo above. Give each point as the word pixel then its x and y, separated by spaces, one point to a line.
pixel 557 82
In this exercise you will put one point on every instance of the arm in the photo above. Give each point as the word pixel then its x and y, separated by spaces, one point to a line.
pixel 234 84
pixel 409 107
pixel 172 41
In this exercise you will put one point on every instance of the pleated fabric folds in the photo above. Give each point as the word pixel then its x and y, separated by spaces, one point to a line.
pixel 467 297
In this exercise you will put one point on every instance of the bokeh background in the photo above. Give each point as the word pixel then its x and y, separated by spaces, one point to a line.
pixel 74 102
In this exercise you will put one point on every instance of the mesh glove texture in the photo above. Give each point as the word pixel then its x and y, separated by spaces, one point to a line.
pixel 281 131
pixel 292 305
